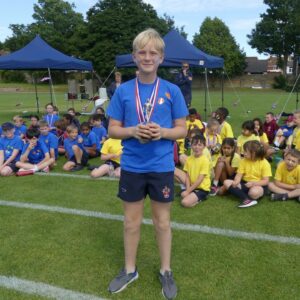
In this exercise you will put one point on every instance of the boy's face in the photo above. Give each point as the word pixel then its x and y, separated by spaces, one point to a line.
pixel 297 119
pixel 213 129
pixel 256 125
pixel 227 150
pixel 34 121
pixel 18 122
pixel 197 148
pixel 71 112
pixel 96 123
pixel 246 132
pixel 148 59
pixel 9 133
pixel 85 130
pixel 73 134
pixel 268 118
pixel 49 109
pixel 291 162
pixel 192 117
pixel 44 130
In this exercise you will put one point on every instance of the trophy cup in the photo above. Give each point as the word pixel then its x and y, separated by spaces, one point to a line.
pixel 147 115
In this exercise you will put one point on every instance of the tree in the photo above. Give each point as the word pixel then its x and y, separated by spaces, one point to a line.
pixel 111 27
pixel 278 32
pixel 55 20
pixel 214 38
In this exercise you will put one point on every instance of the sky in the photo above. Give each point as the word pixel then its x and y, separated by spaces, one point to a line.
pixel 239 16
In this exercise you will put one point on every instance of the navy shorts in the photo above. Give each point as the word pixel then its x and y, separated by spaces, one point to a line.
pixel 113 163
pixel 13 166
pixel 84 158
pixel 201 194
pixel 136 186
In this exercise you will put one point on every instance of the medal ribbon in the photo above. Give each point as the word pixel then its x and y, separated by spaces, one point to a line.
pixel 152 101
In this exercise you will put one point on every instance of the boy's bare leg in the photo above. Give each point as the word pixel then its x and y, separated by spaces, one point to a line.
pixel 101 171
pixel 133 216
pixel 161 221
pixel 77 153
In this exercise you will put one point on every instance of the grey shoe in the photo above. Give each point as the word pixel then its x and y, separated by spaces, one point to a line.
pixel 119 283
pixel 279 197
pixel 169 289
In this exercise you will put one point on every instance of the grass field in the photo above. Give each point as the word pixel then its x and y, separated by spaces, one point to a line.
pixel 74 241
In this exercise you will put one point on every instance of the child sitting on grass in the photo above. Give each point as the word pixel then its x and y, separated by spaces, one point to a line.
pixel 226 166
pixel 284 132
pixel 248 134
pixel 286 184
pixel 50 139
pixel 225 129
pixel 10 149
pixel 98 128
pixel 76 154
pixel 110 153
pixel 252 178
pixel 195 175
pixel 20 128
pixel 35 155
pixel 91 142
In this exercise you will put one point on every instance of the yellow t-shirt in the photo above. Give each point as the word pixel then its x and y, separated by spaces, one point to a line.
pixel 180 143
pixel 296 138
pixel 235 160
pixel 264 139
pixel 241 140
pixel 254 170
pixel 196 166
pixel 191 125
pixel 112 146
pixel 206 152
pixel 285 176
pixel 226 130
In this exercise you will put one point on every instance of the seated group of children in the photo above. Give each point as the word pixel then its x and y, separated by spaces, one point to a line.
pixel 219 164
pixel 24 151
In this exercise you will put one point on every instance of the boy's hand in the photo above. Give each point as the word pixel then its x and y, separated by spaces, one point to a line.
pixel 249 184
pixel 142 133
pixel 235 183
pixel 80 140
pixel 184 194
pixel 156 132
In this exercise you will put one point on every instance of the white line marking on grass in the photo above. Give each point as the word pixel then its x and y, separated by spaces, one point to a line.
pixel 175 225
pixel 76 176
pixel 43 289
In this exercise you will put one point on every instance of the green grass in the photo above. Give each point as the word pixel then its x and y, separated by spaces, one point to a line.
pixel 83 254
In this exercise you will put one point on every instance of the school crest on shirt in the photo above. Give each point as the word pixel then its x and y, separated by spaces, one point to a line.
pixel 168 95
pixel 160 101
pixel 166 192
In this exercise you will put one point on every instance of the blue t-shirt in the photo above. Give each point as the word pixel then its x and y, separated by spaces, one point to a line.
pixel 91 139
pixel 20 130
pixel 68 143
pixel 37 154
pixel 100 132
pixel 9 145
pixel 51 119
pixel 0 131
pixel 154 156
pixel 51 141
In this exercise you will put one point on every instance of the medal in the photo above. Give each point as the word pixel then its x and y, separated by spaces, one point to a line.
pixel 145 112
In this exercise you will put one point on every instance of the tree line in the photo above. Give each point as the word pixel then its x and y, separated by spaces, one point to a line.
pixel 109 27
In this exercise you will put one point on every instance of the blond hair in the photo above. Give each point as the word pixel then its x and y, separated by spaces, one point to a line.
pixel 144 37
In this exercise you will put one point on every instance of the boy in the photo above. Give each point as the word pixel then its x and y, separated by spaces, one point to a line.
pixel 20 128
pixel 72 112
pixel 148 114
pixel 90 140
pixel 270 127
pixel 225 129
pixel 34 121
pixel 77 156
pixel 10 150
pixel 197 174
pixel 193 122
pixel 294 140
pixel 286 184
pixel 35 156
pixel 50 139
pixel 98 129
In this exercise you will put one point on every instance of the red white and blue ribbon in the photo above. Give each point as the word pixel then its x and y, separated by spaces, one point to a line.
pixel 145 112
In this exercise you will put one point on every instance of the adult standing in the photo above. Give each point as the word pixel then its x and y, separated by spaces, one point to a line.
pixel 184 80
pixel 148 114
pixel 114 85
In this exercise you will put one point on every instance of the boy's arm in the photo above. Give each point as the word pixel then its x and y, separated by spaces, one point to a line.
pixel 196 183
pixel 46 158
pixel 285 185
pixel 12 157
pixel 1 158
